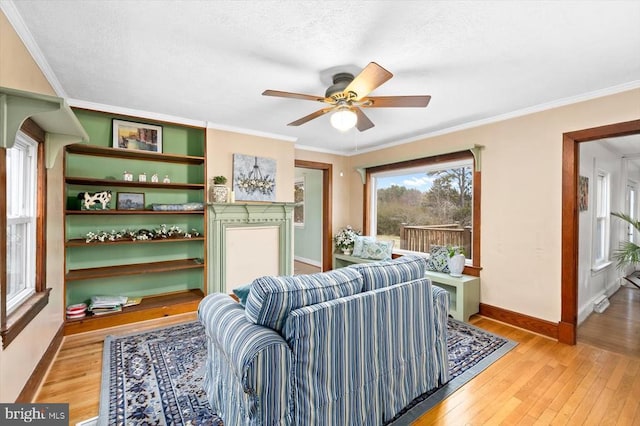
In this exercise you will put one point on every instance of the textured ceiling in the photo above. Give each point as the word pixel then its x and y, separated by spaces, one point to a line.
pixel 210 60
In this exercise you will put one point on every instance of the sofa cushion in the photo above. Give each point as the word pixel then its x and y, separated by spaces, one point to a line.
pixel 272 298
pixel 383 274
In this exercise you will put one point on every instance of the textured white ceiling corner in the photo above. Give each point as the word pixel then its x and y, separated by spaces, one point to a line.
pixel 209 62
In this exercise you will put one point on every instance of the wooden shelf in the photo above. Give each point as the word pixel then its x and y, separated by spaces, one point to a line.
pixel 81 242
pixel 117 212
pixel 151 307
pixel 72 180
pixel 132 269
pixel 133 154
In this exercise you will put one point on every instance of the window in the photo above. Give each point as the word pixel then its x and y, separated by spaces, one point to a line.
pixel 21 220
pixel 601 233
pixel 24 292
pixel 632 207
pixel 425 202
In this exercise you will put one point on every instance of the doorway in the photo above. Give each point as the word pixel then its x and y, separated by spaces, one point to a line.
pixel 608 310
pixel 567 328
pixel 327 218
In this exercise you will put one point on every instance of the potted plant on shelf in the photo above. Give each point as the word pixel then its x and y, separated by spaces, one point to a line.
pixel 345 239
pixel 218 191
pixel 456 260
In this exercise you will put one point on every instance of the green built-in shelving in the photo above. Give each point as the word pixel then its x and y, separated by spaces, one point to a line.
pixel 168 273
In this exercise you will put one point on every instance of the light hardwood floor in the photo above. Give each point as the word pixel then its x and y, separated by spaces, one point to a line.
pixel 539 382
pixel 617 329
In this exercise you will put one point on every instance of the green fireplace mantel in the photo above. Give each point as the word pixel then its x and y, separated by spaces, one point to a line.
pixel 223 216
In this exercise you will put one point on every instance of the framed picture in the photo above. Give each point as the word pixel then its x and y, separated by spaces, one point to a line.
pixel 583 193
pixel 254 178
pixel 137 136
pixel 298 199
pixel 130 201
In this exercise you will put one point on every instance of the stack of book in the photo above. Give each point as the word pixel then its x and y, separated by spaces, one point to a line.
pixel 101 305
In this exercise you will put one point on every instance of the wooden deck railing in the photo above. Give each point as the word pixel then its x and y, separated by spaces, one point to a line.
pixel 421 238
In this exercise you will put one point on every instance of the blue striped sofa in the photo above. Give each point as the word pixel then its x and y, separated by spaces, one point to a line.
pixel 352 346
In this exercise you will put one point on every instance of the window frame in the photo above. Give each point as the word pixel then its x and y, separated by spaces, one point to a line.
pixel 470 269
pixel 601 214
pixel 26 195
pixel 11 324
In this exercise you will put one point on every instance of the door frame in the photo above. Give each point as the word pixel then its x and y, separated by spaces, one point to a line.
pixel 327 217
pixel 570 164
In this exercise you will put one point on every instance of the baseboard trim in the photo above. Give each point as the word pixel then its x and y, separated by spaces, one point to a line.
pixel 537 325
pixel 30 388
pixel 311 262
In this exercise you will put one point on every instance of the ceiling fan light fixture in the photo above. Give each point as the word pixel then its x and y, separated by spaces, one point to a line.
pixel 344 119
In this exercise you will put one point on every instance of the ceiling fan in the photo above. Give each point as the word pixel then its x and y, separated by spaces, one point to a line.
pixel 348 95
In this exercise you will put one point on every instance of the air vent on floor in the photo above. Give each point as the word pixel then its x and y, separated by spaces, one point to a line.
pixel 601 304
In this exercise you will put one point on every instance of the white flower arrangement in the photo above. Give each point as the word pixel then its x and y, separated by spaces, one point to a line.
pixel 140 235
pixel 250 184
pixel 346 238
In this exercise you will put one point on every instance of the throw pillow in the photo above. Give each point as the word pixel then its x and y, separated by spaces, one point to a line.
pixel 438 259
pixel 377 250
pixel 357 246
pixel 272 298
pixel 243 293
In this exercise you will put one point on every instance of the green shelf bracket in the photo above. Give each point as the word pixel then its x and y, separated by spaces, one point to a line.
pixel 51 113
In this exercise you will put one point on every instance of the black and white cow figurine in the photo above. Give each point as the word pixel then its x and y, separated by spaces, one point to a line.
pixel 91 199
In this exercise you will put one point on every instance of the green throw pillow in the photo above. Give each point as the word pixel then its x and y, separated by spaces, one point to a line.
pixel 242 292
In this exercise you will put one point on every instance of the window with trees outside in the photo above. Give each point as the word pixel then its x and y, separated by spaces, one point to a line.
pixel 423 203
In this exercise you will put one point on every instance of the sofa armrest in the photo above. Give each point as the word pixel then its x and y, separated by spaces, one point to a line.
pixel 246 345
pixel 247 377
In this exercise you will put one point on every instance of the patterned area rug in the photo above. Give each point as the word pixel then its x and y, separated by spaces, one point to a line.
pixel 155 377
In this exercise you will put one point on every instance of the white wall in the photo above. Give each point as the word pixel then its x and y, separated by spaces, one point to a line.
pixel 595 156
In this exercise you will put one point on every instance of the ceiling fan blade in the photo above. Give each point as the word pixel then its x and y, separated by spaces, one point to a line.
pixel 396 101
pixel 363 121
pixel 281 94
pixel 310 117
pixel 372 76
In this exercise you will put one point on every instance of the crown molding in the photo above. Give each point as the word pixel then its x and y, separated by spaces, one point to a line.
pixel 77 103
pixel 513 114
pixel 15 19
pixel 320 150
pixel 233 129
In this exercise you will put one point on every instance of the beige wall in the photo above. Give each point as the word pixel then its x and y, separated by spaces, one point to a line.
pixel 521 196
pixel 221 145
pixel 19 71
